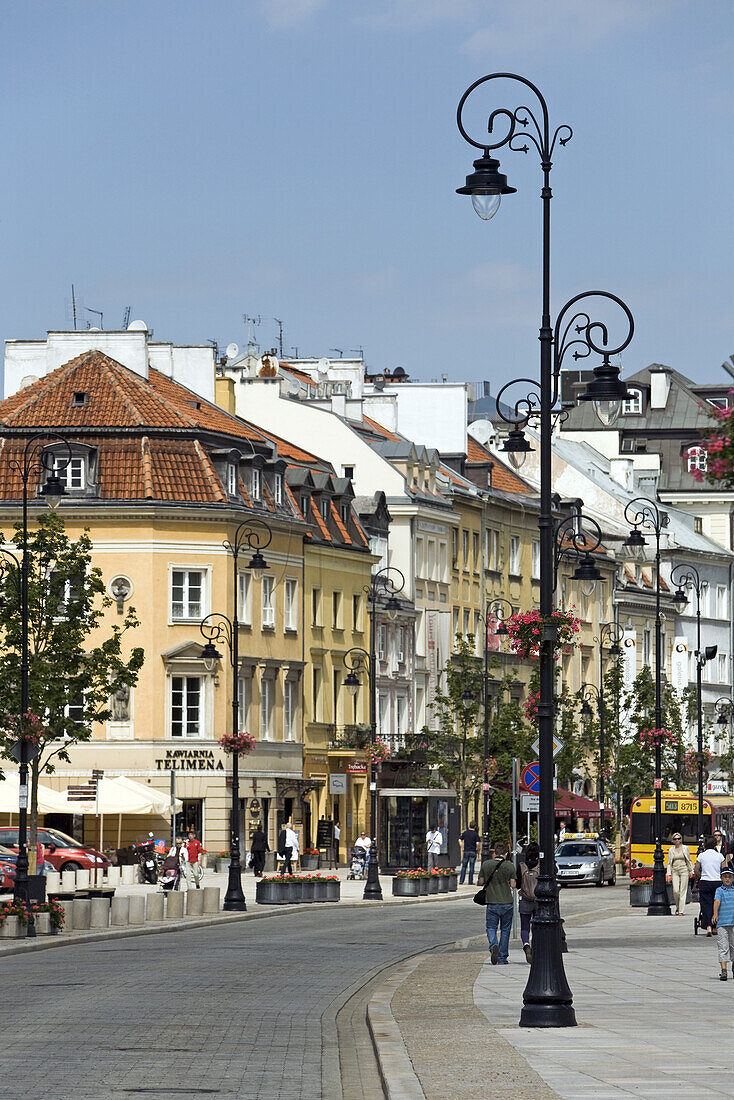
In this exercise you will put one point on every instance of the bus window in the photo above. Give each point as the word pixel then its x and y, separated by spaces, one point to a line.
pixel 643 828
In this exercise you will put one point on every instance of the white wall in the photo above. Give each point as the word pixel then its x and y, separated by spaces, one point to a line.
pixel 431 413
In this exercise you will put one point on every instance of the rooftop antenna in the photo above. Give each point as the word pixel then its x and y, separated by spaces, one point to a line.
pixel 338 351
pixel 126 317
pixel 215 345
pixel 73 305
pixel 279 323
pixel 355 351
pixel 97 313
pixel 252 343
pixel 296 351
pixel 727 368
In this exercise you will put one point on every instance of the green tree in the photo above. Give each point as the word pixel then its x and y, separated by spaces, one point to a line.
pixel 73 672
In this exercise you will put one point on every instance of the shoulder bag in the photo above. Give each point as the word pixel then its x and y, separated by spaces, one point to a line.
pixel 480 898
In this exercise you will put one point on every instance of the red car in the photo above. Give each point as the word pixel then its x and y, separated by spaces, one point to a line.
pixel 61 851
pixel 7 876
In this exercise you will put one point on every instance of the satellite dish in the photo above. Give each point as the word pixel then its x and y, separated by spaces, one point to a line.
pixel 232 350
pixel 293 387
pixel 94 328
pixel 322 366
pixel 137 326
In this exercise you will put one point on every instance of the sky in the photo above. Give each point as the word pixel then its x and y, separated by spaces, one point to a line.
pixel 298 159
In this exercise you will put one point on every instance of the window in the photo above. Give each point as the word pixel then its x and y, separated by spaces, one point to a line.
pixel 454 547
pixel 244 602
pixel 431 562
pixel 698 525
pixel 290 596
pixel 59 598
pixel 419 557
pixel 305 506
pixel 243 702
pixel 381 642
pixel 535 567
pixel 466 623
pixel 255 484
pixel 633 402
pixel 336 682
pixel 72 474
pixel 187 592
pixel 721 602
pixel 325 508
pixel 80 398
pixel 697 457
pixel 336 610
pixel 475 551
pixel 454 625
pixel 401 644
pixel 278 488
pixel 185 706
pixel 75 711
pixel 477 634
pixel 348 471
pixel 266 707
pixel 515 555
pixel 402 717
pixel 722 668
pixel 719 402
pixel 316 693
pixel 495 555
pixel 465 548
pixel 646 647
pixel 443 571
pixel 289 710
pixel 345 514
pixel 268 606
pixel 232 479
pixel 316 606
pixel 356 613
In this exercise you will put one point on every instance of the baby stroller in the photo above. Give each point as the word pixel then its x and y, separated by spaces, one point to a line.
pixel 358 863
pixel 170 874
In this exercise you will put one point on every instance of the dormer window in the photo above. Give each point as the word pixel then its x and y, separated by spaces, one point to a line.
pixel 345 514
pixel 73 474
pixel 278 488
pixel 325 509
pixel 697 459
pixel 232 479
pixel 305 506
pixel 632 404
pixel 79 399
pixel 255 484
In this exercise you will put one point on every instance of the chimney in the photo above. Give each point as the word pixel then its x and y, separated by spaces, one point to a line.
pixel 224 389
pixel 659 387
pixel 620 469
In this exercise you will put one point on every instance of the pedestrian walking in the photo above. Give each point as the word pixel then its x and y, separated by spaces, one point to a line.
pixel 364 842
pixel 191 865
pixel 499 877
pixel 469 841
pixel 258 848
pixel 292 842
pixel 680 870
pixel 724 920
pixel 337 838
pixel 528 878
pixel 721 845
pixel 708 876
pixel 284 852
pixel 434 840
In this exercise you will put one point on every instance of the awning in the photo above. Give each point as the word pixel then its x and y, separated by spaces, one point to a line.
pixel 49 801
pixel 575 805
pixel 120 795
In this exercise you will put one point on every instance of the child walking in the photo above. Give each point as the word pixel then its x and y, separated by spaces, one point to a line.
pixel 724 920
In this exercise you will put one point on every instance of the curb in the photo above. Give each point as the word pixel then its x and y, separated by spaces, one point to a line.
pixel 21 947
pixel 399 1079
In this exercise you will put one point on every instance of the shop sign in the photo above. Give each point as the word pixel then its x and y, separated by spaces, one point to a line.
pixel 337 784
pixel 357 767
pixel 189 760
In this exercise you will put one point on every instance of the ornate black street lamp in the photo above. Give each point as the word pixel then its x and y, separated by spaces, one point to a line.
pixel 547 998
pixel 644 515
pixel 387 582
pixel 251 537
pixel 687 577
pixel 37 460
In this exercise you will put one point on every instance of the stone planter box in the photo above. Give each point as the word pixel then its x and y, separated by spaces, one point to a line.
pixel 223 866
pixel 321 890
pixel 640 894
pixel 294 892
pixel 310 863
pixel 443 884
pixel 306 891
pixel 406 887
pixel 43 924
pixel 433 882
pixel 12 929
pixel 271 893
pixel 453 882
pixel 423 886
pixel 333 891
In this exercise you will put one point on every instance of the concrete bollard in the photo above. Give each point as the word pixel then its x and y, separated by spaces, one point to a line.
pixel 53 882
pixel 113 876
pixel 100 917
pixel 81 913
pixel 175 905
pixel 154 907
pixel 136 914
pixel 128 874
pixel 211 898
pixel 68 881
pixel 194 903
pixel 68 907
pixel 82 879
pixel 120 911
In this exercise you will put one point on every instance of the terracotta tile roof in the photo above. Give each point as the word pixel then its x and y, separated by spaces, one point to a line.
pixel 339 524
pixel 475 452
pixel 289 450
pixel 319 520
pixel 379 429
pixel 502 476
pixel 300 374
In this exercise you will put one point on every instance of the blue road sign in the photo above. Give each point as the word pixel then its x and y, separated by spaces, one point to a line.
pixel 531 778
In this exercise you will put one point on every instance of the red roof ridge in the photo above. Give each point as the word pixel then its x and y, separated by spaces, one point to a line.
pixel 147 470
pixel 319 520
pixel 340 524
pixel 115 381
pixel 209 471
pixel 41 387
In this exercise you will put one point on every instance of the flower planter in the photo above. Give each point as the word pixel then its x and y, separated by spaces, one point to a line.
pixel 43 924
pixel 12 929
pixel 406 887
pixel 640 893
pixel 333 891
pixel 270 893
pixel 433 884
pixel 306 891
pixel 443 884
pixel 310 863
pixel 295 892
pixel 423 886
pixel 223 866
pixel 453 882
pixel 321 890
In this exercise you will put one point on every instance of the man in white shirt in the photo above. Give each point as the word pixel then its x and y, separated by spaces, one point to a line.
pixel 363 841
pixel 434 840
pixel 291 841
pixel 337 837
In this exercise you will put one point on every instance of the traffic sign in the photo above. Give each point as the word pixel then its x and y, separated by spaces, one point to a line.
pixel 557 745
pixel 530 778
pixel 529 803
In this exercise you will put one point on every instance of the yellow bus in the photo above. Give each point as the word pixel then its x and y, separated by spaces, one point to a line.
pixel 679 814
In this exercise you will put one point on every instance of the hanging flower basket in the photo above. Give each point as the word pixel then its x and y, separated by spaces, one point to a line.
pixel 239 744
pixel 651 738
pixel 377 751
pixel 528 629
pixel 690 761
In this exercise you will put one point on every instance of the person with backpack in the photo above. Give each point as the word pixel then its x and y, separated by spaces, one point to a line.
pixel 498 876
pixel 528 869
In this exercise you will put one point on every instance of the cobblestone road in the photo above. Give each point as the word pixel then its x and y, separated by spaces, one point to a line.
pixel 233 1011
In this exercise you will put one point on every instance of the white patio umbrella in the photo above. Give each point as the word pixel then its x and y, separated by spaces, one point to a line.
pixel 120 795
pixel 49 801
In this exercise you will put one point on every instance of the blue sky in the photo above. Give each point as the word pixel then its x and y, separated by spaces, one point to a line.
pixel 298 159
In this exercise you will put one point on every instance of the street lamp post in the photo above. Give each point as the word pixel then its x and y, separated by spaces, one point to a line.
pixel 252 536
pixel 36 460
pixel 547 997
pixel 687 577
pixel 644 514
pixel 389 581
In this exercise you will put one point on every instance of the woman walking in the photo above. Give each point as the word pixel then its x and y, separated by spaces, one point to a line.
pixel 680 870
pixel 528 879
pixel 708 873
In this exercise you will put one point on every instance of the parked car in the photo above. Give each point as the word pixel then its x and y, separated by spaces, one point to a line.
pixel 582 860
pixel 7 875
pixel 8 856
pixel 61 851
